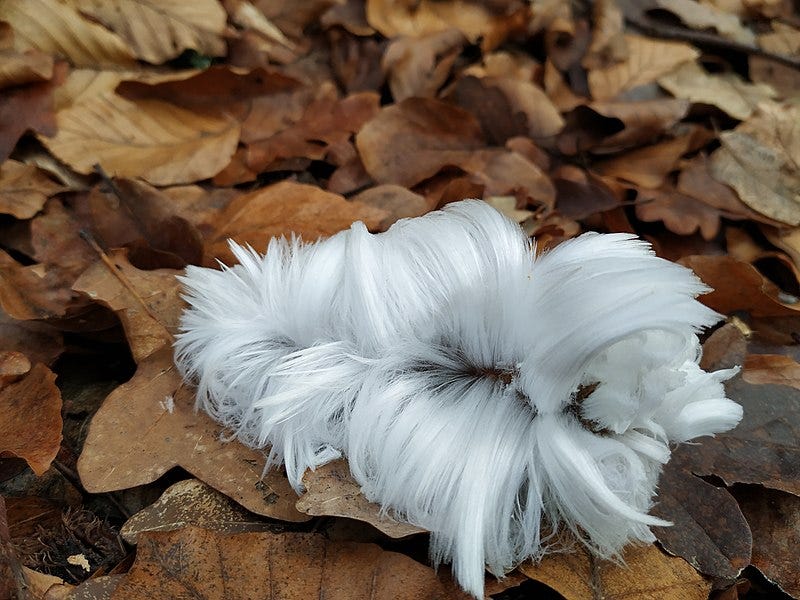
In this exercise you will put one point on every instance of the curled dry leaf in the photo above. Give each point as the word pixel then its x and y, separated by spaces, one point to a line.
pixel 193 503
pixel 24 189
pixel 30 413
pixel 738 286
pixel 158 32
pixel 708 529
pixel 57 28
pixel 149 425
pixel 268 565
pixel 728 91
pixel 147 302
pixel 413 140
pixel 774 518
pixel 331 491
pixel 648 574
pixel 283 209
pixel 772 368
pixel 646 61
pixel 155 140
pixel 30 292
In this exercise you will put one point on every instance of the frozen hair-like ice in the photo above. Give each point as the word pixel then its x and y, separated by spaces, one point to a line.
pixel 478 391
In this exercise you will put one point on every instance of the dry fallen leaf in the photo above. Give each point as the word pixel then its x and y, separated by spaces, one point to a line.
pixel 24 189
pixel 57 28
pixel 680 213
pixel 20 68
pixel 647 166
pixel 158 32
pixel 699 15
pixel 648 574
pixel 149 425
pixel 147 302
pixel 772 368
pixel 285 208
pixel 30 413
pixel 398 202
pixel 193 503
pixel 160 142
pixel 331 491
pixel 266 565
pixel 646 61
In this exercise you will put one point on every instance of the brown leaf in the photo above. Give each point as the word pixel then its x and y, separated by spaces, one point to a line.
pixel 285 208
pixel 38 341
pixel 30 292
pixel 13 365
pixel 59 29
pixel 147 302
pixel 646 61
pixel 608 44
pixel 413 140
pixel 20 68
pixel 680 214
pixel 398 202
pixel 193 503
pixel 158 32
pixel 331 491
pixel 261 565
pixel 24 189
pixel 149 425
pixel 31 418
pixel 771 368
pixel 727 91
pixel 648 574
pixel 160 142
pixel 12 578
pixel 725 348
pixel 648 166
pixel 763 449
pixel 737 286
pixel 708 16
pixel 774 518
pixel 581 194
pixel 760 159
pixel 420 66
pixel 708 529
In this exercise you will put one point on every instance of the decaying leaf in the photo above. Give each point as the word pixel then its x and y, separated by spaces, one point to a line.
pixel 263 565
pixel 155 140
pixel 30 292
pixel 193 503
pixel 149 425
pixel 331 491
pixel 647 573
pixel 157 32
pixel 30 413
pixel 680 214
pixel 24 189
pixel 772 368
pixel 398 202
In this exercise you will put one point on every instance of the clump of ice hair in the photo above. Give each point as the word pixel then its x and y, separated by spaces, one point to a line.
pixel 476 390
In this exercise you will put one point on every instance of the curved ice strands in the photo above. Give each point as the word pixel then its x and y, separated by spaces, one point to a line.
pixel 476 390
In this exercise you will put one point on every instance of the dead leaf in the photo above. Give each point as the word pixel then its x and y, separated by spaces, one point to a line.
pixel 646 61
pixel 193 503
pixel 12 577
pixel 760 159
pixel 725 348
pixel 39 583
pixel 581 193
pixel 398 202
pixel 31 418
pixel 285 208
pixel 160 142
pixel 647 574
pixel 728 91
pixel 260 565
pixel 24 189
pixel 704 16
pixel 680 214
pixel 608 44
pixel 737 286
pixel 412 140
pixel 40 342
pixel 774 518
pixel 708 529
pixel 21 68
pixel 647 166
pixel 58 28
pixel 771 368
pixel 13 365
pixel 158 32
pixel 331 491
pixel 30 292
pixel 149 425
pixel 420 66
pixel 147 302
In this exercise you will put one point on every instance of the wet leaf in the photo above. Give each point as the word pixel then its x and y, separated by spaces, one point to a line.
pixel 331 491
pixel 30 413
pixel 149 425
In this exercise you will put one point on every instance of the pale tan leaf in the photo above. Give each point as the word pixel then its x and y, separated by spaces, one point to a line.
pixel 19 68
pixel 152 139
pixel 608 42
pixel 159 30
pixel 56 28
pixel 774 369
pixel 648 574
pixel 331 491
pixel 703 16
pixel 24 189
pixel 648 59
pixel 728 91
pixel 783 39
pixel 192 502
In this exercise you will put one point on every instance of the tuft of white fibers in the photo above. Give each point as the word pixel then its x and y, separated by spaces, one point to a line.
pixel 478 391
